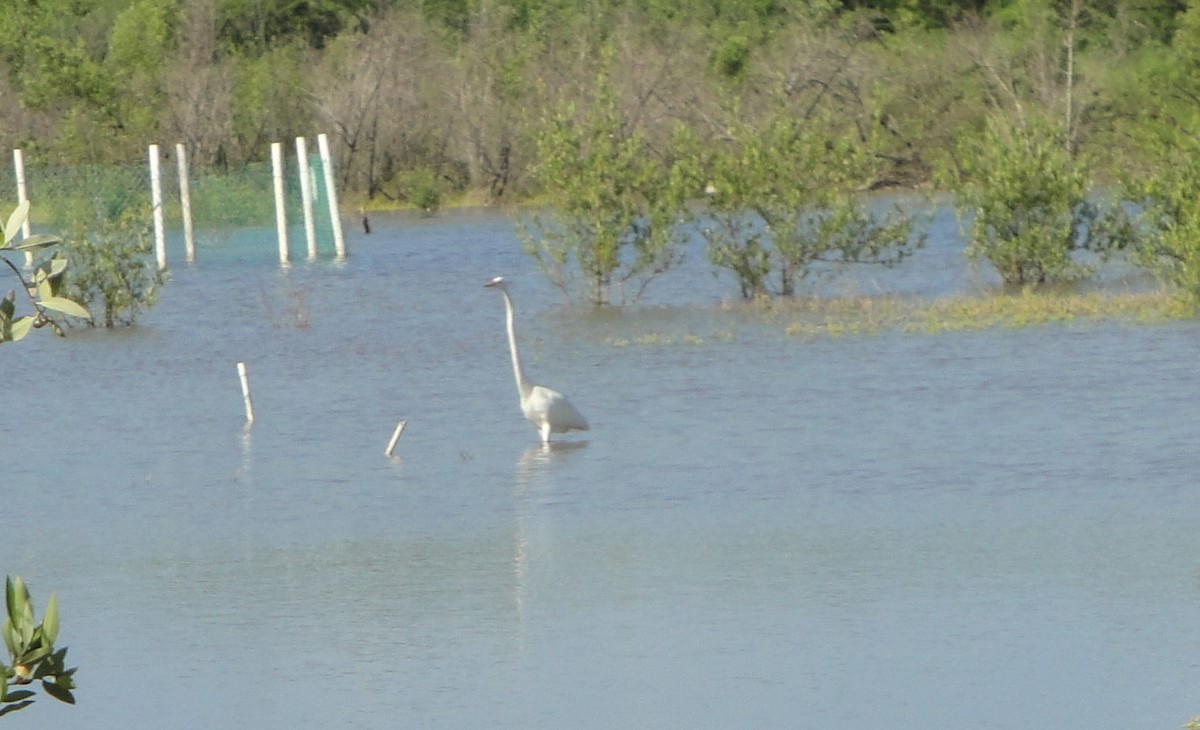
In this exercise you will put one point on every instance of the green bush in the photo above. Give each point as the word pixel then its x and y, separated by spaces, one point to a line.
pixel 783 200
pixel 1029 207
pixel 111 269
pixel 420 188
pixel 615 204
pixel 1169 242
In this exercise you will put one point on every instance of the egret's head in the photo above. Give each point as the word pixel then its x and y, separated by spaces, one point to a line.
pixel 498 281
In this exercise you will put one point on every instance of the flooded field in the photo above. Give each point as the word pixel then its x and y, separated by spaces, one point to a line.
pixel 990 529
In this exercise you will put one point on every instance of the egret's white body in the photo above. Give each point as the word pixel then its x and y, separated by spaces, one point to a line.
pixel 546 408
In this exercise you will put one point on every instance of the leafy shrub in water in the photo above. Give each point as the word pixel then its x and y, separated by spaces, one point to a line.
pixel 615 205
pixel 783 202
pixel 1028 205
pixel 111 267
pixel 1169 236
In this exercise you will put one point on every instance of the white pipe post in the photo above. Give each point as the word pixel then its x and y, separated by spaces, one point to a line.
pixel 185 203
pixel 156 199
pixel 280 213
pixel 339 241
pixel 19 169
pixel 306 196
pixel 395 437
pixel 241 368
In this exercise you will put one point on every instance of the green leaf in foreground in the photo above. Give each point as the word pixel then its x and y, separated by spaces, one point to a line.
pixel 36 241
pixel 50 620
pixel 66 306
pixel 15 220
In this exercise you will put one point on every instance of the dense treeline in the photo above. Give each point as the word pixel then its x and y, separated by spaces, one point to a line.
pixel 444 98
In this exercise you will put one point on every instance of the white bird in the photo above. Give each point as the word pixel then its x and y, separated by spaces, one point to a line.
pixel 546 408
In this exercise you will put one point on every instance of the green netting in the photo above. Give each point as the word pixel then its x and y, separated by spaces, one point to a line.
pixel 221 201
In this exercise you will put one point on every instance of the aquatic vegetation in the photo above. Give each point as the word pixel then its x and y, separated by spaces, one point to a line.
pixel 847 316
pixel 850 316
pixel 652 339
pixel 1031 308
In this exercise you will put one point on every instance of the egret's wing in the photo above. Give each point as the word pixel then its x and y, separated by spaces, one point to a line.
pixel 557 410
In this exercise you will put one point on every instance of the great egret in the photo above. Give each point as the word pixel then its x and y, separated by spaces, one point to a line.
pixel 546 408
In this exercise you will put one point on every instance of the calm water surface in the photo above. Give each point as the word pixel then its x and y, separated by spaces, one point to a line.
pixel 990 529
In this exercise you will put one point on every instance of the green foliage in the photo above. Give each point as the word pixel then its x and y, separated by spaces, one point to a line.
pixel 111 269
pixel 42 288
pixel 783 201
pixel 732 57
pixel 97 81
pixel 1169 244
pixel 269 103
pixel 616 204
pixel 1028 205
pixel 454 15
pixel 140 37
pixel 256 25
pixel 32 656
pixel 421 189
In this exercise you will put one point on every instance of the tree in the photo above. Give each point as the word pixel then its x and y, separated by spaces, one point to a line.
pixel 615 203
pixel 256 25
pixel 31 652
pixel 377 94
pixel 41 288
pixel 1028 204
pixel 488 78
pixel 784 201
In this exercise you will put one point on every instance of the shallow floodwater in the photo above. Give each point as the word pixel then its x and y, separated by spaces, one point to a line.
pixel 985 530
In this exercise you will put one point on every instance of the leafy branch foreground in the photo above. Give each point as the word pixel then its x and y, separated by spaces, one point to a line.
pixel 812 317
pixel 31 651
pixel 42 288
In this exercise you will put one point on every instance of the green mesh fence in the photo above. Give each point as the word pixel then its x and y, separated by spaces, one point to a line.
pixel 221 201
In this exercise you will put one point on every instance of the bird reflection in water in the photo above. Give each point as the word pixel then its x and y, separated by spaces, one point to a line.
pixel 535 460
pixel 536 464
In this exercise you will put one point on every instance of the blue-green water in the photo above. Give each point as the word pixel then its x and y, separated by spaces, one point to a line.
pixel 991 529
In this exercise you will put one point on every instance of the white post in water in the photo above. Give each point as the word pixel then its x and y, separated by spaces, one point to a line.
pixel 395 437
pixel 339 241
pixel 280 213
pixel 241 367
pixel 156 200
pixel 185 203
pixel 19 169
pixel 306 196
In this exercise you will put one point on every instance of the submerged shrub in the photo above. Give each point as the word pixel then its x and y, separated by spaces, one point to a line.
pixel 110 266
pixel 1169 235
pixel 784 200
pixel 1029 206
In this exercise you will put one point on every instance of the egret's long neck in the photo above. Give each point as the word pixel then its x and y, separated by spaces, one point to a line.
pixel 522 387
